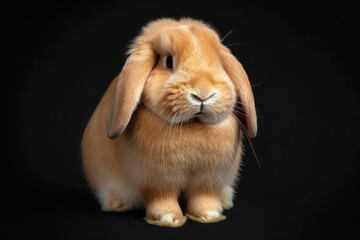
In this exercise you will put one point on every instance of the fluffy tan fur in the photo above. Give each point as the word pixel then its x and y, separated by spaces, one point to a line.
pixel 159 133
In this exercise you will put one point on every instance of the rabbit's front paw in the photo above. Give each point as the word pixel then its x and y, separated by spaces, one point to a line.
pixel 209 217
pixel 167 220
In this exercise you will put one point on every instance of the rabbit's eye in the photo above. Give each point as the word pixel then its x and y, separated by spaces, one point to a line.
pixel 169 62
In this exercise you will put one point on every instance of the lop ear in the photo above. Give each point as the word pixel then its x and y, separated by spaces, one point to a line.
pixel 129 87
pixel 237 74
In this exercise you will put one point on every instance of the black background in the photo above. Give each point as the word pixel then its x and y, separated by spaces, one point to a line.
pixel 302 59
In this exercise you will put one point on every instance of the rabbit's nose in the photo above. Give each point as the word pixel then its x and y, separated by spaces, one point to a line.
pixel 201 98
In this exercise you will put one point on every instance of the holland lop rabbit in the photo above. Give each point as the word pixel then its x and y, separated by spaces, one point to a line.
pixel 170 125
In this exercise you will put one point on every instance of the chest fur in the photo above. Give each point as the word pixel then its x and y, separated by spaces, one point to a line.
pixel 184 146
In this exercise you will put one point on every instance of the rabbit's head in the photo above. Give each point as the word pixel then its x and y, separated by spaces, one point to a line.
pixel 183 73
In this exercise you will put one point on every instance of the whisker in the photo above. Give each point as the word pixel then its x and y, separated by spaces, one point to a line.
pixel 165 139
pixel 163 148
pixel 227 34
pixel 165 121
pixel 214 116
pixel 256 84
pixel 251 144
pixel 237 43
pixel 240 112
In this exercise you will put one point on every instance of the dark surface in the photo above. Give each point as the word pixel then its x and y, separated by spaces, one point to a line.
pixel 301 57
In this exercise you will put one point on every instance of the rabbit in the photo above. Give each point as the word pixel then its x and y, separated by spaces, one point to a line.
pixel 170 126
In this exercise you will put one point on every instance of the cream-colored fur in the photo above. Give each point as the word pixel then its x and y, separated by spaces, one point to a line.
pixel 159 133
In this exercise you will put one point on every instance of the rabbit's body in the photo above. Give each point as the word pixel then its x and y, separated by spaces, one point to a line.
pixel 180 135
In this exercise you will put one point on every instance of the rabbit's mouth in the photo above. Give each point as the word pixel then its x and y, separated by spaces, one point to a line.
pixel 208 118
